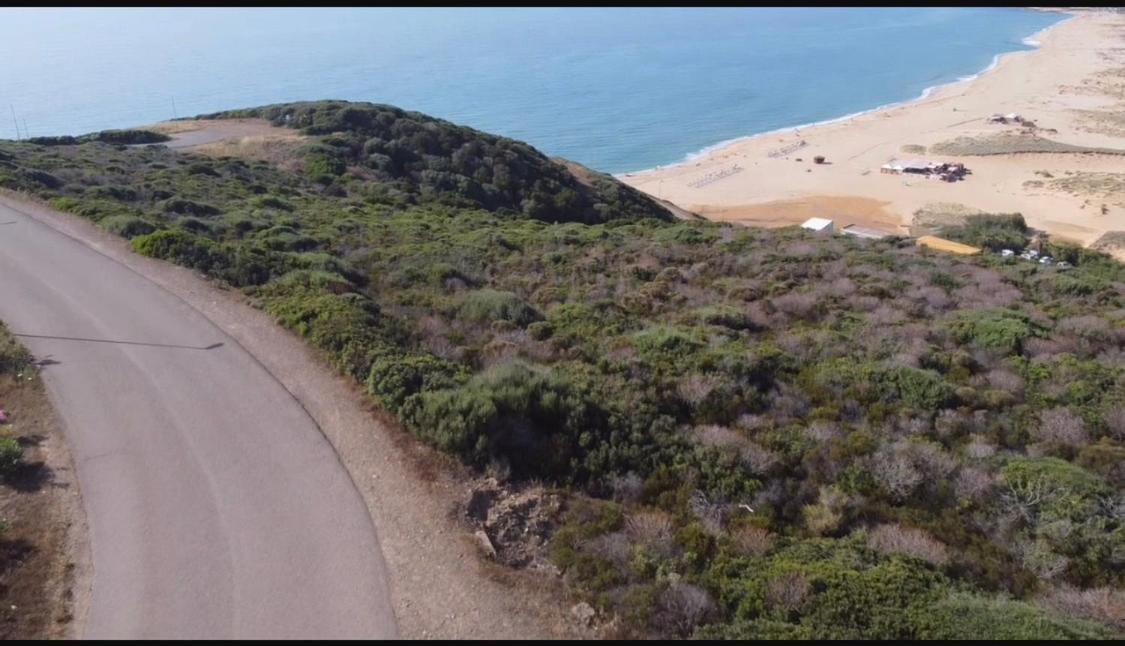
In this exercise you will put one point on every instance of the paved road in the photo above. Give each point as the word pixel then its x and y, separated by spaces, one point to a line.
pixel 216 508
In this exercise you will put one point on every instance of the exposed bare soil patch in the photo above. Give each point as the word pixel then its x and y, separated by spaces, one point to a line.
pixel 243 138
pixel 843 210
pixel 42 544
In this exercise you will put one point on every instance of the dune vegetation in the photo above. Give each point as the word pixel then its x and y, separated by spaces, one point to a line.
pixel 759 433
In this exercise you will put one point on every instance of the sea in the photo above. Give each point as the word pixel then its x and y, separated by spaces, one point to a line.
pixel 616 89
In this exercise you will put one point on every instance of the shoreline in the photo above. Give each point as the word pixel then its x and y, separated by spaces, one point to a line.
pixel 1030 40
pixel 1069 91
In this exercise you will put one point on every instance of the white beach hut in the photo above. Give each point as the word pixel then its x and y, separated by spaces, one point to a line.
pixel 821 226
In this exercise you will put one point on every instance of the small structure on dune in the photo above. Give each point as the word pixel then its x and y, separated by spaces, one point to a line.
pixel 899 166
pixel 862 232
pixel 941 244
pixel 821 226
pixel 948 172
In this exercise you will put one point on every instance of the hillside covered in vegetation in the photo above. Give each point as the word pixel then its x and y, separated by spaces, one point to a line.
pixel 762 433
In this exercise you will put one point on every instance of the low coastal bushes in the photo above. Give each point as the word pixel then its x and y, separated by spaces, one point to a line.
pixel 127 137
pixel 991 231
pixel 763 433
pixel 13 357
pixel 14 360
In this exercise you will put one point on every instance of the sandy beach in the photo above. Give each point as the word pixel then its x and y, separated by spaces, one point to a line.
pixel 1072 88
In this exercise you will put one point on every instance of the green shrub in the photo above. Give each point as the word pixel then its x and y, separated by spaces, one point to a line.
pixel 127 137
pixel 991 231
pixel 11 453
pixel 188 207
pixel 127 226
pixel 14 358
pixel 920 389
pixel 179 247
pixel 487 305
pixel 536 422
pixel 665 344
pixel 348 327
pixel 996 329
pixel 394 378
pixel 967 616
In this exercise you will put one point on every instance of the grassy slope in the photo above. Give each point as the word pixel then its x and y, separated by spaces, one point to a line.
pixel 880 408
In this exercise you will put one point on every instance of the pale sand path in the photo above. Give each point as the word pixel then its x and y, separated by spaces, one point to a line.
pixel 1080 66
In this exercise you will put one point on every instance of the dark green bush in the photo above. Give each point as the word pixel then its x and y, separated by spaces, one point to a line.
pixel 11 454
pixel 395 377
pixel 14 358
pixel 996 329
pixel 991 231
pixel 536 422
pixel 487 305
pixel 179 247
pixel 126 226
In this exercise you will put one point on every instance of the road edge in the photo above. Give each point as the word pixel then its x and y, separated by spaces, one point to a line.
pixel 422 543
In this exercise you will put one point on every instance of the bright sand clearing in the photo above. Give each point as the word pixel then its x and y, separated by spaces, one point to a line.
pixel 1072 87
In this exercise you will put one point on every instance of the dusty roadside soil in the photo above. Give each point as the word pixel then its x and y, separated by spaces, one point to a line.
pixel 43 551
pixel 442 586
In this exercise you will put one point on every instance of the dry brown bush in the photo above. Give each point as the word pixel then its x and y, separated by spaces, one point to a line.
pixel 788 592
pixel 714 436
pixel 751 540
pixel 627 488
pixel 695 388
pixel 896 539
pixel 1115 423
pixel 1105 605
pixel 1060 427
pixel 651 528
pixel 823 430
pixel 973 484
pixel 614 547
pixel 979 447
pixel 681 608
pixel 796 304
pixel 757 458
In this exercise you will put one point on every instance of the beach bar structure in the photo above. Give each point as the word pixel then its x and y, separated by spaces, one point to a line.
pixel 899 166
pixel 941 244
pixel 821 226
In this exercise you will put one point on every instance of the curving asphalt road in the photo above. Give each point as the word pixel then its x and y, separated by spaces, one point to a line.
pixel 216 509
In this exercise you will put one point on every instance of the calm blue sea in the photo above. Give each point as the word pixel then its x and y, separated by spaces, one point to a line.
pixel 615 89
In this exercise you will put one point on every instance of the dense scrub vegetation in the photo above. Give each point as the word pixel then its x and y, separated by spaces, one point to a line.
pixel 106 136
pixel 767 434
pixel 14 359
pixel 411 157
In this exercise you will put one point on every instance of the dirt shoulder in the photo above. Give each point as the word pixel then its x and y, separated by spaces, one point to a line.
pixel 44 554
pixel 441 587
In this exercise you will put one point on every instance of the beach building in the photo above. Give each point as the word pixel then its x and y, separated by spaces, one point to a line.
pixel 862 232
pixel 941 244
pixel 818 225
pixel 899 166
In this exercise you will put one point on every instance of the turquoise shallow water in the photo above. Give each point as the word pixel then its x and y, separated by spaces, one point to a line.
pixel 615 89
